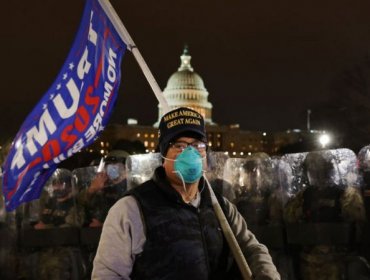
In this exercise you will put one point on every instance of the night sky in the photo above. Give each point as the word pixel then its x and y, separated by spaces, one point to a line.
pixel 264 63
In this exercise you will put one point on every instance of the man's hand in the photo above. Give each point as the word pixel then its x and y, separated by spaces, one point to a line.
pixel 98 183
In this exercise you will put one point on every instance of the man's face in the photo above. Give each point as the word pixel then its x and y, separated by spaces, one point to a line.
pixel 172 154
pixel 319 175
pixel 251 179
pixel 115 172
pixel 60 190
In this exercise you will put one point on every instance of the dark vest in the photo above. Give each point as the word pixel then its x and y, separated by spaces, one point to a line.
pixel 254 208
pixel 183 242
pixel 322 205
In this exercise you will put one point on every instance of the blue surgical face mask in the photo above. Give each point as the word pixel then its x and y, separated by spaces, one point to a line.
pixel 189 165
pixel 113 172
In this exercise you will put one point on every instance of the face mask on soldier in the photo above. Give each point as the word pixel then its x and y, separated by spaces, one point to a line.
pixel 113 171
pixel 60 190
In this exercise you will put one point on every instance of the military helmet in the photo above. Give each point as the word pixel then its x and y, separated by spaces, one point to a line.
pixel 60 184
pixel 62 176
pixel 319 168
pixel 116 156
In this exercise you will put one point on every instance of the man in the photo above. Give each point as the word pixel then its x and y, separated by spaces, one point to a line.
pixel 166 228
pixel 58 206
pixel 51 259
pixel 106 188
pixel 256 180
pixel 364 170
pixel 327 200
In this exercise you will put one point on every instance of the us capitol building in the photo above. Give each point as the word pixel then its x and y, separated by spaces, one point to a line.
pixel 185 88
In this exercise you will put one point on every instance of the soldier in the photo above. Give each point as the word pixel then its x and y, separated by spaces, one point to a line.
pixel 264 186
pixel 255 187
pixel 281 190
pixel 327 200
pixel 364 169
pixel 215 171
pixel 106 188
pixel 8 241
pixel 57 205
pixel 55 259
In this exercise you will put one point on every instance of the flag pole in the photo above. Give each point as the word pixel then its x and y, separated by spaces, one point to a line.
pixel 125 36
pixel 230 236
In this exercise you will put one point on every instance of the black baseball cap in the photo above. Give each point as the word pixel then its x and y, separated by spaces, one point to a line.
pixel 180 122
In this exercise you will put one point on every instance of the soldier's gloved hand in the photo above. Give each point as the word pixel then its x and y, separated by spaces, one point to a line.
pixel 98 183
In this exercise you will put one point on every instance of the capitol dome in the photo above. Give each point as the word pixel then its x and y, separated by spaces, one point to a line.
pixel 185 88
pixel 185 79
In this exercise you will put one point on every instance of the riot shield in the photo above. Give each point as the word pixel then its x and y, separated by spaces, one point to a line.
pixel 337 167
pixel 8 241
pixel 348 171
pixel 322 216
pixel 3 213
pixel 364 172
pixel 50 233
pixel 49 220
pixel 251 180
pixel 258 196
pixel 100 188
pixel 82 177
pixel 295 161
pixel 140 168
pixel 282 188
pixel 214 173
pixel 328 203
pixel 364 168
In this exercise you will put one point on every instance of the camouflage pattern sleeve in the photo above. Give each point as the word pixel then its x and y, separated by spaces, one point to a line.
pixel 83 198
pixel 75 217
pixel 352 204
pixel 275 206
pixel 293 211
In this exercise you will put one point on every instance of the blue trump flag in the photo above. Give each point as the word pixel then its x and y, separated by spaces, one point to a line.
pixel 72 113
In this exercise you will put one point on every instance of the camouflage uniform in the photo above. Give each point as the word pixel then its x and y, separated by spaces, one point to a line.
pixel 255 191
pixel 56 213
pixel 260 198
pixel 364 170
pixel 98 204
pixel 8 243
pixel 105 189
pixel 324 201
pixel 57 210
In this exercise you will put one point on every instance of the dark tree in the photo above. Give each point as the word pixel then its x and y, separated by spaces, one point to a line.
pixel 347 112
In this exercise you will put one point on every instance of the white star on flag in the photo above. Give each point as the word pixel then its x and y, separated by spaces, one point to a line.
pixel 71 66
pixel 51 96
pixel 65 76
pixel 44 106
pixel 59 86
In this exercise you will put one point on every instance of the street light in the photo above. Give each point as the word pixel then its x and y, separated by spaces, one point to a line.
pixel 324 140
